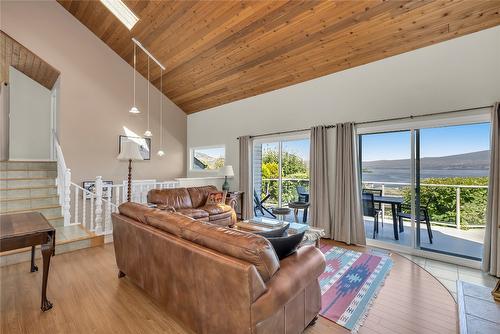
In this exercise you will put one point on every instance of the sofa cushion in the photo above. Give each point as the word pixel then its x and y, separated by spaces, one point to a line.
pixel 170 222
pixel 194 213
pixel 215 209
pixel 199 195
pixel 177 198
pixel 136 211
pixel 239 244
pixel 286 244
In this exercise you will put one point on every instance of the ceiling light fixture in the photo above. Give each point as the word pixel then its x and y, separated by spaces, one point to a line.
pixel 134 109
pixel 122 12
pixel 148 132
pixel 161 152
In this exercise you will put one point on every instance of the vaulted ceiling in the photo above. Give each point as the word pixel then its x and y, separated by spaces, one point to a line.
pixel 216 52
pixel 12 53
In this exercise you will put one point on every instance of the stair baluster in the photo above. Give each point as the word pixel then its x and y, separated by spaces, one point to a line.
pixel 98 205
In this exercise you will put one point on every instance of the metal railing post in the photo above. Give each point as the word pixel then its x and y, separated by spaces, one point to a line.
pixel 458 208
pixel 382 205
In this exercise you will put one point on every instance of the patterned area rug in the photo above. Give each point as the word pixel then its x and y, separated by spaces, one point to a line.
pixel 350 283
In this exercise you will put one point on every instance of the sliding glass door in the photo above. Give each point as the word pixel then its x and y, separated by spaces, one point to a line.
pixel 386 174
pixel 280 170
pixel 438 177
pixel 453 175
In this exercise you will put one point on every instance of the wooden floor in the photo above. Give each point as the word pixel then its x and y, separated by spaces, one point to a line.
pixel 89 298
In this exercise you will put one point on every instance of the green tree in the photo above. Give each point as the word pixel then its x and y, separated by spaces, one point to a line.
pixel 293 167
pixel 441 201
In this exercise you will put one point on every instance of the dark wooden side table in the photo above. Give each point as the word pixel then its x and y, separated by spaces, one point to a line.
pixel 296 206
pixel 29 230
pixel 238 196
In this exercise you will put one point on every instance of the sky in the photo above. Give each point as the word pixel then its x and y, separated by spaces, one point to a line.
pixel 299 147
pixel 435 142
pixel 216 152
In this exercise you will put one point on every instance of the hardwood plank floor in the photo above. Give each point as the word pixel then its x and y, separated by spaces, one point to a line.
pixel 89 298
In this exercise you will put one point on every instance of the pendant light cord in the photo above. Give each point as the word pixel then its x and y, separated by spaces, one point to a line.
pixel 134 71
pixel 148 95
pixel 161 109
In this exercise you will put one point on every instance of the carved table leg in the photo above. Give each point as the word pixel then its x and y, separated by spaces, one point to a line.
pixel 33 265
pixel 47 251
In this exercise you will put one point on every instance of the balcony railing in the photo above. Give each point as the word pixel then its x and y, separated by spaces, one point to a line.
pixel 394 189
pixel 288 189
pixel 288 193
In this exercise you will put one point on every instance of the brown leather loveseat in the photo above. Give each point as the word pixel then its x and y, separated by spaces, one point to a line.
pixel 191 202
pixel 214 279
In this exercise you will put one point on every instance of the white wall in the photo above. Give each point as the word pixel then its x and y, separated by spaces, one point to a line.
pixel 29 118
pixel 460 73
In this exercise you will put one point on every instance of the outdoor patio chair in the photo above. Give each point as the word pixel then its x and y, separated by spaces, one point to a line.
pixel 370 211
pixel 405 212
pixel 378 206
pixel 259 204
pixel 303 194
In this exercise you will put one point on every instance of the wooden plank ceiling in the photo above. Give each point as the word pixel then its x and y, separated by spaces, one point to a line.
pixel 216 52
pixel 16 55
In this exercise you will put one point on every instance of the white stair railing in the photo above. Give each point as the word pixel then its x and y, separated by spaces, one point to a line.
pixel 93 209
pixel 63 181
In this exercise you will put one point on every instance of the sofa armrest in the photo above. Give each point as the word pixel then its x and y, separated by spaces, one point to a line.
pixel 231 201
pixel 296 273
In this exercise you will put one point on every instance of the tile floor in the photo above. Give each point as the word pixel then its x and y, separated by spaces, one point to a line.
pixel 448 274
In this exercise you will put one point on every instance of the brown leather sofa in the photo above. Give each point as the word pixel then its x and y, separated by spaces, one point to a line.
pixel 191 202
pixel 214 279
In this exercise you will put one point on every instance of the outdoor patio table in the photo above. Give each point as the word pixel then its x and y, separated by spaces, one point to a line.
pixel 395 203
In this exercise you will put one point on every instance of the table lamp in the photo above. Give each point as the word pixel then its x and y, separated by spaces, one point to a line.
pixel 129 151
pixel 226 171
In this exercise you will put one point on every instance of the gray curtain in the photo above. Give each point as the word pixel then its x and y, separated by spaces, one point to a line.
pixel 319 194
pixel 246 176
pixel 347 222
pixel 491 250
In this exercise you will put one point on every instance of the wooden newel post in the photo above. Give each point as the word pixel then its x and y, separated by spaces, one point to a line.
pixel 129 185
pixel 98 205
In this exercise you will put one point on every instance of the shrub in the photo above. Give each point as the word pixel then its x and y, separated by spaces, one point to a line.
pixel 441 201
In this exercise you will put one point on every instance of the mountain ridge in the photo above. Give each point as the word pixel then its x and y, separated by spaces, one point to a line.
pixel 466 161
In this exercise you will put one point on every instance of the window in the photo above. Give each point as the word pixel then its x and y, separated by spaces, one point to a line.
pixel 208 158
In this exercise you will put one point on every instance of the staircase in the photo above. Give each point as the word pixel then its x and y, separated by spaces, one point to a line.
pixel 31 186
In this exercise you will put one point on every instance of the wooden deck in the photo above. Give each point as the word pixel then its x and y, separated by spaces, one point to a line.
pixel 89 298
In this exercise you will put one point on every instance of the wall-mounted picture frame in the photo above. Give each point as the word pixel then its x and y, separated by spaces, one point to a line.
pixel 90 186
pixel 144 145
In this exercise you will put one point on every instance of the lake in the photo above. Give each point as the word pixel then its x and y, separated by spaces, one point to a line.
pixel 403 174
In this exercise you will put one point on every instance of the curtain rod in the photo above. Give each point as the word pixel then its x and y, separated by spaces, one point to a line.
pixel 376 121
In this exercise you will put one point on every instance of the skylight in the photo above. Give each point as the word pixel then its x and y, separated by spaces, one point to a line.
pixel 122 12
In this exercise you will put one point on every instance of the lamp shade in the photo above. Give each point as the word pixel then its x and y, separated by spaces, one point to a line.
pixel 227 171
pixel 129 151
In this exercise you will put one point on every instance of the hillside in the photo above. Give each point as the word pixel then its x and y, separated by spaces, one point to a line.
pixel 474 160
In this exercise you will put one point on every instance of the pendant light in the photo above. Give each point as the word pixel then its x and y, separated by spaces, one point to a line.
pixel 148 131
pixel 134 109
pixel 161 152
